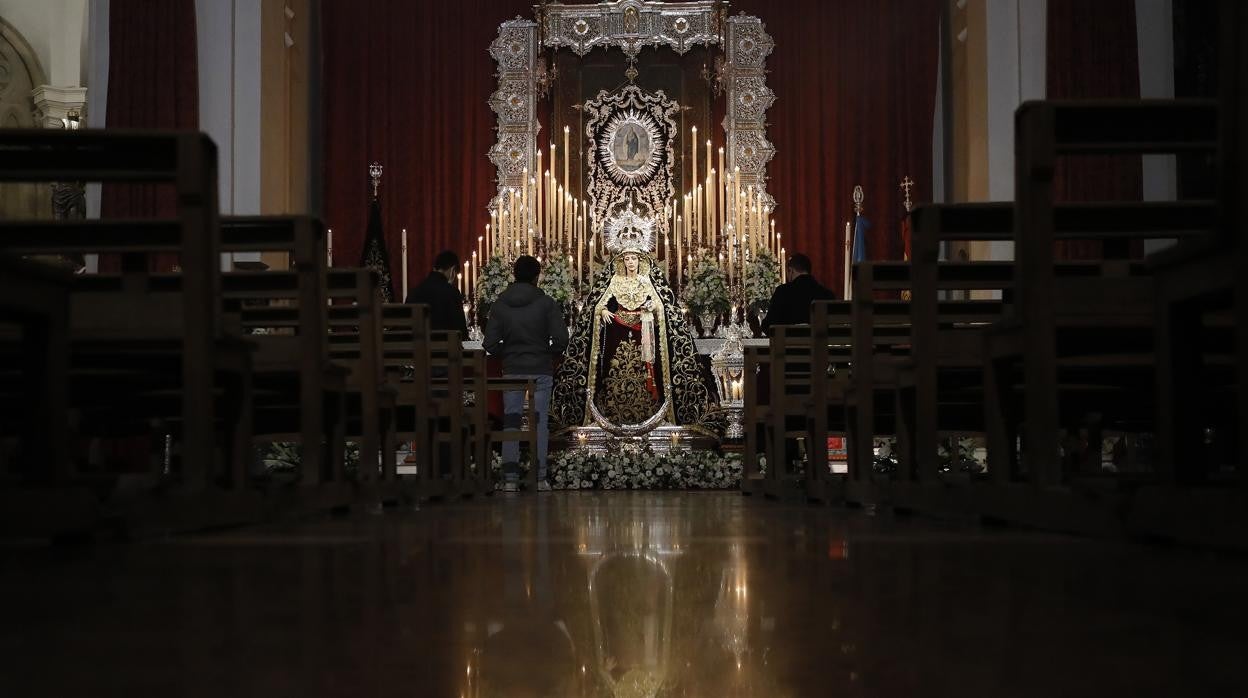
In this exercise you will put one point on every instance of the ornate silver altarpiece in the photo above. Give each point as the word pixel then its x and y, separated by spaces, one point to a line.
pixel 632 164
pixel 631 26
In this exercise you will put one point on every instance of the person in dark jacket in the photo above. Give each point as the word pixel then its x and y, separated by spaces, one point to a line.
pixel 446 303
pixel 526 329
pixel 790 304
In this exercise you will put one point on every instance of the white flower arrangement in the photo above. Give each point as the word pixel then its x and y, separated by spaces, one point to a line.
pixel 556 280
pixel 707 289
pixel 495 276
pixel 622 469
pixel 762 276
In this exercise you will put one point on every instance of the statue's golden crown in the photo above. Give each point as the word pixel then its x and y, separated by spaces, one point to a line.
pixel 627 231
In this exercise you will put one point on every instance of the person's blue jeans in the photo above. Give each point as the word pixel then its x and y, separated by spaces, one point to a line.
pixel 513 412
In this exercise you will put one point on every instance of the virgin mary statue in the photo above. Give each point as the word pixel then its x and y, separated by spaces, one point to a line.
pixel 631 363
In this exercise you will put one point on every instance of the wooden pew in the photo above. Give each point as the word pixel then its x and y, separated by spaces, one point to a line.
pixel 300 391
pixel 527 434
pixel 138 356
pixel 1193 501
pixel 831 337
pixel 447 395
pixel 787 406
pixel 188 161
pixel 357 342
pixel 34 297
pixel 756 415
pixel 406 360
pixel 479 478
pixel 880 340
pixel 1045 131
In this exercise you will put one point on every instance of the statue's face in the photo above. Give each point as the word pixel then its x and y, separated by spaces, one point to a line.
pixel 631 262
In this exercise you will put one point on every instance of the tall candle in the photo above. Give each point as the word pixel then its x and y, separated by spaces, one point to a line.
pixel 524 201
pixel 403 251
pixel 846 257
pixel 723 174
pixel 329 248
pixel 708 198
pixel 712 208
pixel 693 183
pixel 537 199
pixel 679 246
pixel 737 219
pixel 500 229
pixel 567 155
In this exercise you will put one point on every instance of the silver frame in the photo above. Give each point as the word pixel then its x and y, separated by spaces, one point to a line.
pixel 631 25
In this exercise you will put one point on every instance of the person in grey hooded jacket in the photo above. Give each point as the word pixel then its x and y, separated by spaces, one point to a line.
pixel 526 329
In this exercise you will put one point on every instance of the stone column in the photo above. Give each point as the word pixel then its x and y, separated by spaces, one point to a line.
pixel 53 105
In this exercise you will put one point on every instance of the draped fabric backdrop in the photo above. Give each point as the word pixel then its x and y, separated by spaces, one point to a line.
pixel 153 82
pixel 855 86
pixel 1093 54
pixel 407 84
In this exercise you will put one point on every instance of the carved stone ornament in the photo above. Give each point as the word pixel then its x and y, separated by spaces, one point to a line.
pixel 631 134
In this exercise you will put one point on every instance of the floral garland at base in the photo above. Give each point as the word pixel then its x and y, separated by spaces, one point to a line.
pixel 636 469
pixel 644 469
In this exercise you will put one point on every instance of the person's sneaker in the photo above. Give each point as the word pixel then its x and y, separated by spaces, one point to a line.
pixel 543 486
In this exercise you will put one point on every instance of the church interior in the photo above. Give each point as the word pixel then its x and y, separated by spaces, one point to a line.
pixel 626 348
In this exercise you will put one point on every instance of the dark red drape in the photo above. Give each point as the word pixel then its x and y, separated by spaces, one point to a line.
pixel 1093 54
pixel 406 83
pixel 855 86
pixel 153 82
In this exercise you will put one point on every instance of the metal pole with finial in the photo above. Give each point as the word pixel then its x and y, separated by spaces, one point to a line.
pixel 374 173
pixel 906 185
pixel 859 197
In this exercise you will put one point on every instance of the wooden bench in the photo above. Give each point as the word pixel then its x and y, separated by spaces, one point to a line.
pixel 1045 131
pixel 137 356
pixel 188 161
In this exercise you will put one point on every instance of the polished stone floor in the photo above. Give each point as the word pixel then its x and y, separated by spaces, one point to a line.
pixel 622 594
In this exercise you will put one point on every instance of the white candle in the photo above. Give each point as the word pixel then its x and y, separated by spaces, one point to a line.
pixel 329 248
pixel 404 252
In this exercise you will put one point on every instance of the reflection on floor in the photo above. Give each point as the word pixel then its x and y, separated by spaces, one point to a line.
pixel 622 594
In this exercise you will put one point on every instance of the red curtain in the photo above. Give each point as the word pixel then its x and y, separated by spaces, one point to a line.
pixel 1093 54
pixel 407 84
pixel 855 86
pixel 153 82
